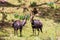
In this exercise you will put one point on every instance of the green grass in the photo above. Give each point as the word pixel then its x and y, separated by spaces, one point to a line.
pixel 51 30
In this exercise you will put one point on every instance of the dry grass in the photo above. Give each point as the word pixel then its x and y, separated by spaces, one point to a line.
pixel 49 31
pixel 50 28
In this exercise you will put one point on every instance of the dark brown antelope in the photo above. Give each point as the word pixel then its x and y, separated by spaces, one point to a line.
pixel 36 24
pixel 18 25
pixel 34 11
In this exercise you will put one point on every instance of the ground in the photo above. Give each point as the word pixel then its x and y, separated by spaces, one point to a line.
pixel 50 28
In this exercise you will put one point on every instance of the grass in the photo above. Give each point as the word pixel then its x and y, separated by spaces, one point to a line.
pixel 51 30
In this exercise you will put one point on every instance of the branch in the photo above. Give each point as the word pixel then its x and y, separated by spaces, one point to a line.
pixel 41 4
pixel 56 1
pixel 46 3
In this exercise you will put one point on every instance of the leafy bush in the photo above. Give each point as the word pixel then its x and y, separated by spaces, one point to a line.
pixel 21 17
pixel 33 4
pixel 50 4
pixel 16 15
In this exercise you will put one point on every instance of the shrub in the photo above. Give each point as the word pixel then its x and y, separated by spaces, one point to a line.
pixel 21 17
pixel 33 4
pixel 50 4
pixel 16 15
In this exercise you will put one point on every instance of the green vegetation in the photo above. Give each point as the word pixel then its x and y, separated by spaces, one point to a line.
pixel 49 31
pixel 33 4
pixel 21 17
pixel 50 19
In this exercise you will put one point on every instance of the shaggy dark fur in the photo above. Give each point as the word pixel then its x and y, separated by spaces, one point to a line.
pixel 34 11
pixel 18 25
pixel 36 24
